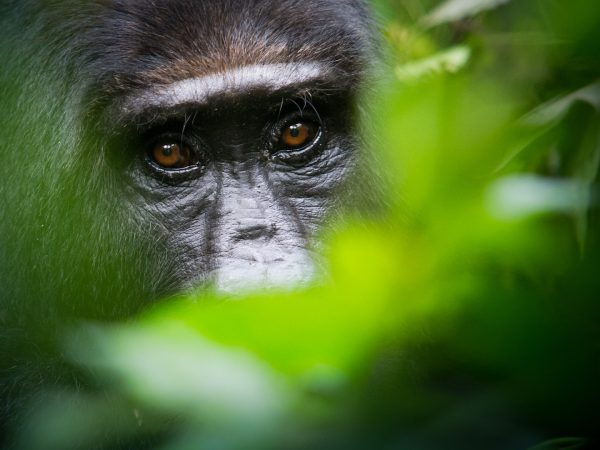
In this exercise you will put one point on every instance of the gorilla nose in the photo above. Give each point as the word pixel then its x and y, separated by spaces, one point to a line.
pixel 255 232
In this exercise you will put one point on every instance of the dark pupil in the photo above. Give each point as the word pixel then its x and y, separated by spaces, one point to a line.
pixel 168 150
pixel 294 131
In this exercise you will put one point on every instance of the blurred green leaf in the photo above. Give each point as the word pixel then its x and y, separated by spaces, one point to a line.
pixel 551 112
pixel 451 61
pixel 520 196
pixel 454 10
pixel 567 443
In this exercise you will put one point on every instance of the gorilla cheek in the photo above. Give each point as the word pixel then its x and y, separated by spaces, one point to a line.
pixel 233 230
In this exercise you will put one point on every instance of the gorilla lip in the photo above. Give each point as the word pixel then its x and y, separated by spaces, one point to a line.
pixel 199 90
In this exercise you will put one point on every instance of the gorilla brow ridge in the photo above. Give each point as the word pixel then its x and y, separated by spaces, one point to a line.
pixel 199 90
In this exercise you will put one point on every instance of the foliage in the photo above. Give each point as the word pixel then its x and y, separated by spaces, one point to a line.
pixel 467 317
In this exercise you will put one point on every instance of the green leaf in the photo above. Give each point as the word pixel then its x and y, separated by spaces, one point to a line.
pixel 448 61
pixel 454 10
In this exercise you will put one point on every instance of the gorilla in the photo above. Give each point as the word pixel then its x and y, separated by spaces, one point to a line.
pixel 152 147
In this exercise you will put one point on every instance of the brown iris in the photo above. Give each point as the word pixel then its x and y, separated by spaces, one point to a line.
pixel 171 155
pixel 297 135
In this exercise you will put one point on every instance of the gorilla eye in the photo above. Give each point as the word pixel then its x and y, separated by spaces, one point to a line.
pixel 169 155
pixel 172 159
pixel 297 135
pixel 297 141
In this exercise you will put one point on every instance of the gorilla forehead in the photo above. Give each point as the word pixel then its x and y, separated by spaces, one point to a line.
pixel 162 41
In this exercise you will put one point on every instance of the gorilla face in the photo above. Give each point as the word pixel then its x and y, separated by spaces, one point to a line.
pixel 234 126
pixel 237 169
pixel 167 145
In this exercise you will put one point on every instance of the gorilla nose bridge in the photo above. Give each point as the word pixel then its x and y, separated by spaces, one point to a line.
pixel 247 207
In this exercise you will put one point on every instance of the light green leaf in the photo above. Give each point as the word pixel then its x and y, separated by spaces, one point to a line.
pixel 453 10
pixel 519 196
pixel 551 112
pixel 173 368
pixel 448 61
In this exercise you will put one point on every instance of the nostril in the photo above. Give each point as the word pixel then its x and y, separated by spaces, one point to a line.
pixel 254 232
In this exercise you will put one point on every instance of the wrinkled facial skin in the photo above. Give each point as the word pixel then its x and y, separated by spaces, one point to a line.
pixel 97 86
pixel 151 147
pixel 243 213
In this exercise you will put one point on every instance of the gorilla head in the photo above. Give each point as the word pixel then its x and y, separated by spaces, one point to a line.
pixel 154 146
pixel 150 147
